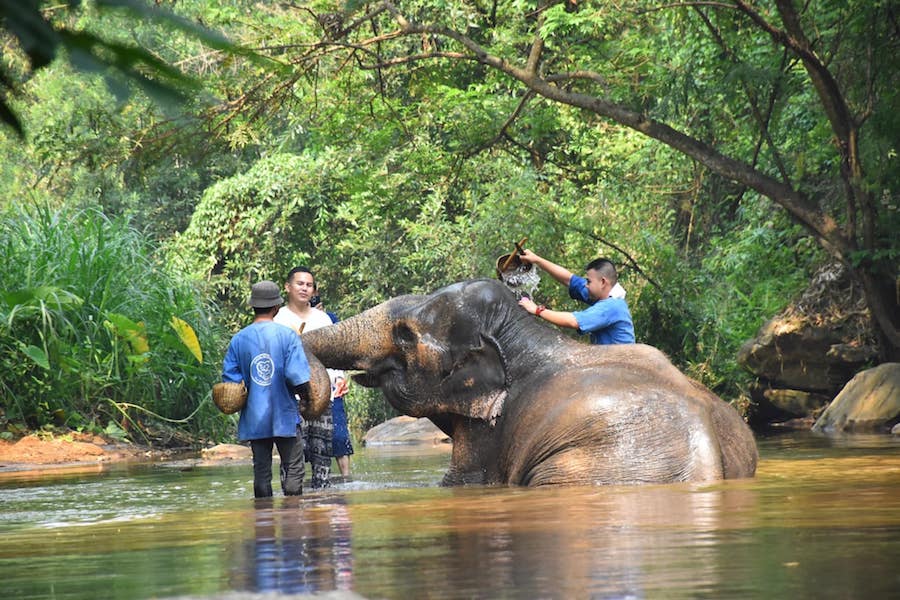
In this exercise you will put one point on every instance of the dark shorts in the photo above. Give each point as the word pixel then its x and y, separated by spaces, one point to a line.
pixel 340 442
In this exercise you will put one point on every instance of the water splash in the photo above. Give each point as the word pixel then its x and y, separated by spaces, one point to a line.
pixel 523 279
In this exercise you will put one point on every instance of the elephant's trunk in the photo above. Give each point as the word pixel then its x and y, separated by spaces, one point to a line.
pixel 319 388
pixel 352 344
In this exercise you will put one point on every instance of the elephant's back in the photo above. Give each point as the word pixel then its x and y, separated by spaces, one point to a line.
pixel 609 426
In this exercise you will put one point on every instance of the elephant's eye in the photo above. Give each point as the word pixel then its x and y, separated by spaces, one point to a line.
pixel 404 335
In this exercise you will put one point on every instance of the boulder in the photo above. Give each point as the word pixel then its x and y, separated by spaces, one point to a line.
pixel 790 353
pixel 405 430
pixel 794 403
pixel 870 402
pixel 805 355
pixel 227 452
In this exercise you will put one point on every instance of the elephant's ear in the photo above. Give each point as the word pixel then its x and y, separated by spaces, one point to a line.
pixel 478 380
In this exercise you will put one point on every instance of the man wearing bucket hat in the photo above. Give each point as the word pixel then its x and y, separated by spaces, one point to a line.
pixel 269 359
pixel 607 318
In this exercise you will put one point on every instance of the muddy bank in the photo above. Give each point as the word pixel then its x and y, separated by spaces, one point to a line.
pixel 36 452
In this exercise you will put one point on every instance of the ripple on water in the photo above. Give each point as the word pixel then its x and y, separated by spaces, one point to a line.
pixel 818 516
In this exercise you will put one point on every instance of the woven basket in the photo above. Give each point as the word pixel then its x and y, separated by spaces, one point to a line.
pixel 229 397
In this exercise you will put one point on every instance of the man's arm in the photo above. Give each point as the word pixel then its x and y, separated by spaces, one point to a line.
pixel 557 317
pixel 231 368
pixel 557 272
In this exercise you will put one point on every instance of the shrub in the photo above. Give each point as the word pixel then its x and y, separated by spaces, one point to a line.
pixel 94 331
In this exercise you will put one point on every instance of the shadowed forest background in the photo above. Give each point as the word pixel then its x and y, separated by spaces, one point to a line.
pixel 719 153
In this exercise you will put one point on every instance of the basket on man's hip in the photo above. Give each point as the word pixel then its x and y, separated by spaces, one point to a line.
pixel 229 397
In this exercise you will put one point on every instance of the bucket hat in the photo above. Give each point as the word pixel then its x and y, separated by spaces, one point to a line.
pixel 265 294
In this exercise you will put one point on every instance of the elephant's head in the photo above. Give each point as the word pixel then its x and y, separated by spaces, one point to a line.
pixel 443 353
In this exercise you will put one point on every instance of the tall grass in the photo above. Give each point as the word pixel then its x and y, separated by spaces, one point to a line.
pixel 87 336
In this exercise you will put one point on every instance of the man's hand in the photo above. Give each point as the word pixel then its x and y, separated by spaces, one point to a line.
pixel 557 272
pixel 528 304
pixel 528 256
pixel 341 387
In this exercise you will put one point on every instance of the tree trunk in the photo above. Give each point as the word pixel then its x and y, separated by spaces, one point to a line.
pixel 883 298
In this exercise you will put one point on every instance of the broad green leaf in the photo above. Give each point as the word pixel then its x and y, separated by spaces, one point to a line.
pixel 134 333
pixel 54 296
pixel 37 355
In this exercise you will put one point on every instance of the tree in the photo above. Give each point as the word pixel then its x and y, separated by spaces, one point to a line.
pixel 795 104
pixel 42 31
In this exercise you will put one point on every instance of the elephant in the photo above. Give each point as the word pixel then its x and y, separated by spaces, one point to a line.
pixel 526 405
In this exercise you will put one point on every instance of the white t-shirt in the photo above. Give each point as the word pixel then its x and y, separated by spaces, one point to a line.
pixel 616 292
pixel 315 320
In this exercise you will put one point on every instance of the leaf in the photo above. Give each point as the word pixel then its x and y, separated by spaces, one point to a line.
pixel 53 296
pixel 188 337
pixel 114 431
pixel 37 355
pixel 134 333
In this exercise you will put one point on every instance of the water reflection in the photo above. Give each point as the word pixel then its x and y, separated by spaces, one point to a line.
pixel 562 543
pixel 296 547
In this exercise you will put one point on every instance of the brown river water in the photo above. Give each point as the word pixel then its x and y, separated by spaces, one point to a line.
pixel 820 520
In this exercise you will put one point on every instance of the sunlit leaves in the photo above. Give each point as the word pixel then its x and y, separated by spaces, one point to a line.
pixel 188 337
pixel 134 333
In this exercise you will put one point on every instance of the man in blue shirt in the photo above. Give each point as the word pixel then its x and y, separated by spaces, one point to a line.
pixel 607 318
pixel 269 359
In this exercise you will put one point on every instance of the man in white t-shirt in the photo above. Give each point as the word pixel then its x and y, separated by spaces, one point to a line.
pixel 300 316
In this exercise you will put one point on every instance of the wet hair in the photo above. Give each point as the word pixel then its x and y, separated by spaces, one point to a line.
pixel 290 274
pixel 605 267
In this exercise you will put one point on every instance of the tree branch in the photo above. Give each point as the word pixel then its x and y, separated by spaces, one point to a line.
pixel 502 131
pixel 829 94
pixel 761 121
pixel 822 225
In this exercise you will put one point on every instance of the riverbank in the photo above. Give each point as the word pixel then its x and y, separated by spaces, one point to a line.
pixel 65 448
pixel 37 451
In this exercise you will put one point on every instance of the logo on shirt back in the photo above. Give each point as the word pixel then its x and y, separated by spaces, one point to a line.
pixel 262 369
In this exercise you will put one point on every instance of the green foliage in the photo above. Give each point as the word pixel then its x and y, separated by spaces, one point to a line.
pixel 85 326
pixel 366 408
pixel 259 224
pixel 397 180
pixel 41 37
pixel 705 312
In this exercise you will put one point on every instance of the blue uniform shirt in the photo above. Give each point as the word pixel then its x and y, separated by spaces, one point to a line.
pixel 608 321
pixel 268 358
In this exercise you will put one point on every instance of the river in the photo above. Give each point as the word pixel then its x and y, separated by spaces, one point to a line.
pixel 820 520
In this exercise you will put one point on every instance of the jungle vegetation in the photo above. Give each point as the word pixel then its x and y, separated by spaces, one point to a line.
pixel 157 159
